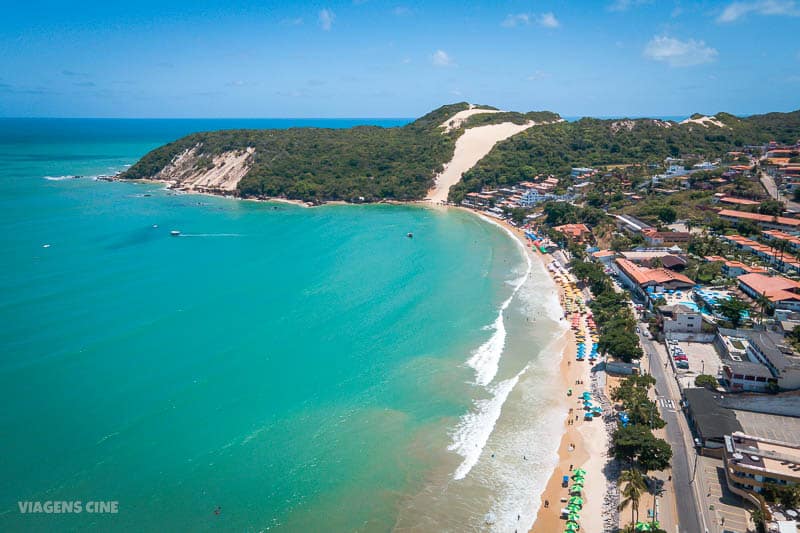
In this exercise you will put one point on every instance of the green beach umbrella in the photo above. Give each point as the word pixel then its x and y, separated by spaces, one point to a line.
pixel 579 480
pixel 579 471
pixel 573 525
pixel 642 526
pixel 573 516
pixel 576 477
pixel 573 508
pixel 577 500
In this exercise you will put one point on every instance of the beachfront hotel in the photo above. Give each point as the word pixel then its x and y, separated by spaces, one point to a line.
pixel 753 462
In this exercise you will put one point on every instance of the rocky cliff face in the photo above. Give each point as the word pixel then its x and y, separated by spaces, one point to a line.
pixel 191 170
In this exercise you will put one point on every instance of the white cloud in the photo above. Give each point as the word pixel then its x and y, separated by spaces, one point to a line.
pixel 440 58
pixel 401 11
pixel 538 75
pixel 737 10
pixel 548 20
pixel 677 53
pixel 624 5
pixel 520 19
pixel 406 60
pixel 326 18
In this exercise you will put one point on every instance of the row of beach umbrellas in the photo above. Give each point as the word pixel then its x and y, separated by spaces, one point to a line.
pixel 575 502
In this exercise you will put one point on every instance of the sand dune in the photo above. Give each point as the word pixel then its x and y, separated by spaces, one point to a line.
pixel 471 147
pixel 705 121
pixel 459 118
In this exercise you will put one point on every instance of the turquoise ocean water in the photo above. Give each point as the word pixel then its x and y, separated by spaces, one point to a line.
pixel 294 369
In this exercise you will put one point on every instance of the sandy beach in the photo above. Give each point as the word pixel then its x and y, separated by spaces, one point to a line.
pixel 584 444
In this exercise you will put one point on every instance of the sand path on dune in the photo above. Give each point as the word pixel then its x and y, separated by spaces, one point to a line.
pixel 471 147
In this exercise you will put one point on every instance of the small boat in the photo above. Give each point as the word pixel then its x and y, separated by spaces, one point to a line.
pixel 174 233
pixel 410 235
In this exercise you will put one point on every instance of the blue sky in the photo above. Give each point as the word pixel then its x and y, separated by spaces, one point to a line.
pixel 370 58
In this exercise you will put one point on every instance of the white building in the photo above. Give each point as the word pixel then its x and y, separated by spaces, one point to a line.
pixel 681 319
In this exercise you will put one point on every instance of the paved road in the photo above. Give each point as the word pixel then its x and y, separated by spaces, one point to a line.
pixel 772 190
pixel 683 454
pixel 769 185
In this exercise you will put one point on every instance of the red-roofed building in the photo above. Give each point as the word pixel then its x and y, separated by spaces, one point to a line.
pixel 654 237
pixel 783 261
pixel 738 201
pixel 578 232
pixel 640 278
pixel 766 221
pixel 604 256
pixel 783 293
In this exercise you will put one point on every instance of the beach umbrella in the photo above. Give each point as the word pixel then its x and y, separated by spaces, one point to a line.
pixel 579 472
pixel 573 508
pixel 576 500
pixel 573 525
pixel 573 516
pixel 642 526
pixel 577 477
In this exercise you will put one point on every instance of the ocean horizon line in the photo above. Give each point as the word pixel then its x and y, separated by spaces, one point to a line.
pixel 568 117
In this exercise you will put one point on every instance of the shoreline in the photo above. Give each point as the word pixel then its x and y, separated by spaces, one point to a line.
pixel 583 437
pixel 582 444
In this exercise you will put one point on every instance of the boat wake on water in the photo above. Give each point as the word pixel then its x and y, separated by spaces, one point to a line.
pixel 210 235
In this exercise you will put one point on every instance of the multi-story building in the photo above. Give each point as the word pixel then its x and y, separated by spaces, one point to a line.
pixel 765 221
pixel 681 319
pixel 769 350
pixel 782 293
pixel 752 462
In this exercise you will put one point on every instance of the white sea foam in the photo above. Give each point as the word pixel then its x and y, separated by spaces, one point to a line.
pixel 486 359
pixel 533 432
pixel 59 178
pixel 476 426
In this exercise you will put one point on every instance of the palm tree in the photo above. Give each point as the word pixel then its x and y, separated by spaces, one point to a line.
pixel 657 491
pixel 632 492
pixel 759 519
pixel 763 303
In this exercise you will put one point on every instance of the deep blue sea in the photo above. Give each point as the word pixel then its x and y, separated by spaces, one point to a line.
pixel 274 367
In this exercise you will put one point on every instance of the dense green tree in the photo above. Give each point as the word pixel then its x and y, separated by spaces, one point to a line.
pixel 732 308
pixel 707 381
pixel 771 207
pixel 667 215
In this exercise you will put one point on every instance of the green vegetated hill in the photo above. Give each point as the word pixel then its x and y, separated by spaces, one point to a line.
pixel 319 164
pixel 555 148
pixel 484 119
